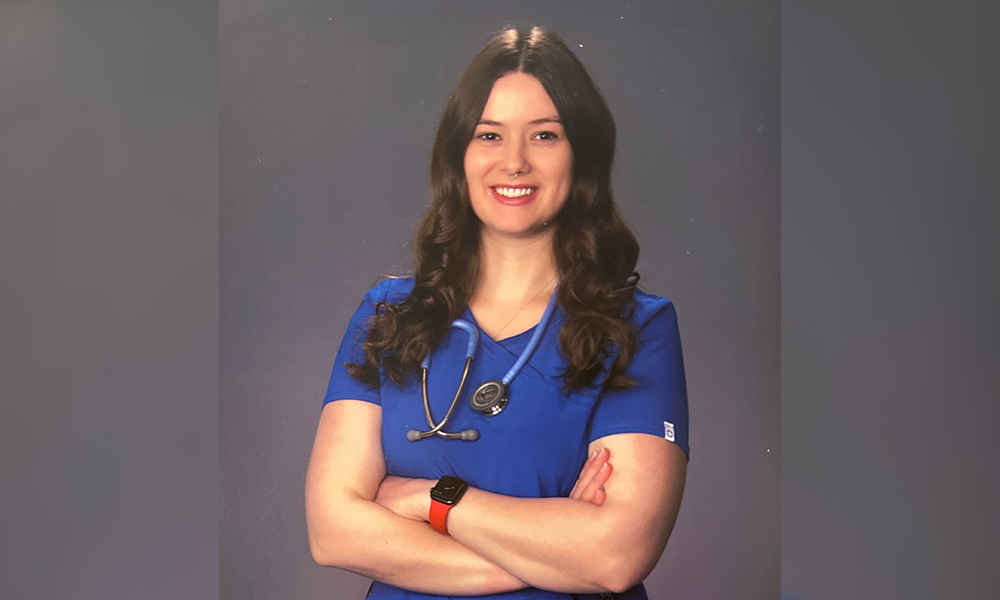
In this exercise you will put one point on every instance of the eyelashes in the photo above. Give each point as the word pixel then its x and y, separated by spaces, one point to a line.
pixel 544 136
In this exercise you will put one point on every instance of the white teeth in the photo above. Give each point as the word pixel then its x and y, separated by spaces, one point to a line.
pixel 508 192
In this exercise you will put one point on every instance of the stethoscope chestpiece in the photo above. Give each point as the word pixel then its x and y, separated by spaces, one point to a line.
pixel 490 398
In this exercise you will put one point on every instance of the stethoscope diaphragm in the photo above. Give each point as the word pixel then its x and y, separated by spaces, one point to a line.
pixel 490 398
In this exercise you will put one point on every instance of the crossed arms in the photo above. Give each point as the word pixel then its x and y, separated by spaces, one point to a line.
pixel 594 541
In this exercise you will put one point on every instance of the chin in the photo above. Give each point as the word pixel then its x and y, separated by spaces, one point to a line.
pixel 521 229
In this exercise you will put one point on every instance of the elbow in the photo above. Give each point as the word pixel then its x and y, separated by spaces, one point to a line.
pixel 627 563
pixel 327 545
pixel 321 550
pixel 632 553
pixel 318 556
pixel 320 534
pixel 338 531
pixel 621 577
pixel 338 543
pixel 329 535
pixel 328 552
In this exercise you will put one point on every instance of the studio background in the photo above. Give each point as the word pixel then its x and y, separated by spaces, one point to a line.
pixel 327 117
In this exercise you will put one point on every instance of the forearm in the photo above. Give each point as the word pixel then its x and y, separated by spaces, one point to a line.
pixel 347 529
pixel 377 543
pixel 557 544
pixel 371 540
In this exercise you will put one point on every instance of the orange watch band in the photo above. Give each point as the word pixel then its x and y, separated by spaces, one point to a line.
pixel 445 494
pixel 439 516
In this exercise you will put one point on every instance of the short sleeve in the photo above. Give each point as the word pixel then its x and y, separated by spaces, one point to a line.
pixel 657 404
pixel 342 386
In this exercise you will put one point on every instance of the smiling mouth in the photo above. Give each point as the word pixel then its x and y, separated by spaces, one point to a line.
pixel 514 192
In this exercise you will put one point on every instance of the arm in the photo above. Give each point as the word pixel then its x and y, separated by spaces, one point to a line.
pixel 561 544
pixel 613 546
pixel 348 530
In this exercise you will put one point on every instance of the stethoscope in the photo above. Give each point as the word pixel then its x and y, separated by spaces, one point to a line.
pixel 490 398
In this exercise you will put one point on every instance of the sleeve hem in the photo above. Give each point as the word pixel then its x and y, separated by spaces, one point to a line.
pixel 624 428
pixel 352 394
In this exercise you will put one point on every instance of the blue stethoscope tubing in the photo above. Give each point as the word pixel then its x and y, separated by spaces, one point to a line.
pixel 490 398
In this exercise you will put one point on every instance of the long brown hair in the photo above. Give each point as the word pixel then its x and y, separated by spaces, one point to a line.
pixel 595 251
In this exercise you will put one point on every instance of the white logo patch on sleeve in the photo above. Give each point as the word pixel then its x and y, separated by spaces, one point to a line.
pixel 668 429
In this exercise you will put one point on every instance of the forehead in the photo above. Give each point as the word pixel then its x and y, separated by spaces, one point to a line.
pixel 518 98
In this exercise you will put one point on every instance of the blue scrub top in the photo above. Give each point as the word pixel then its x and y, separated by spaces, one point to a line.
pixel 536 447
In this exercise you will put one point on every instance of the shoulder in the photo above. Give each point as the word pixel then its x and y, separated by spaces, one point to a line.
pixel 650 307
pixel 391 289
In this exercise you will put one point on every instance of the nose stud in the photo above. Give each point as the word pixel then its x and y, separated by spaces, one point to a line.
pixel 514 175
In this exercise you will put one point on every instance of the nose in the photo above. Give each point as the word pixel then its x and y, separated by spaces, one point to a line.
pixel 515 159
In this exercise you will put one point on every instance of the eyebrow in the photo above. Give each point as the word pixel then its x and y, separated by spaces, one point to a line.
pixel 535 122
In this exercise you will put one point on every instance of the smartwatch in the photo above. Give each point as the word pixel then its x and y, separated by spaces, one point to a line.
pixel 446 494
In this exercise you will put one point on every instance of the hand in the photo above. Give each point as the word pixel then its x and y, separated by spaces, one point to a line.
pixel 589 485
pixel 408 498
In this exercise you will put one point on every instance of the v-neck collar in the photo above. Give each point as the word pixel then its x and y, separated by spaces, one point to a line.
pixel 501 342
pixel 508 350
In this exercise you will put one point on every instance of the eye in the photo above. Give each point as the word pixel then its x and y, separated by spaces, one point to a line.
pixel 489 136
pixel 547 136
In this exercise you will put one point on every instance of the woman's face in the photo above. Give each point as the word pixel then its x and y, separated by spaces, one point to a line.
pixel 519 164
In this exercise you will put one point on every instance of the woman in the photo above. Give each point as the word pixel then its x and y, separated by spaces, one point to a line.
pixel 522 240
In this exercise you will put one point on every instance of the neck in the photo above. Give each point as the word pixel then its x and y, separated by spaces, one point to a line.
pixel 512 269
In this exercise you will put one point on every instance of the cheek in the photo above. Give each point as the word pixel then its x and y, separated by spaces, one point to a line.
pixel 565 170
pixel 562 162
pixel 475 175
pixel 566 187
pixel 476 165
pixel 468 168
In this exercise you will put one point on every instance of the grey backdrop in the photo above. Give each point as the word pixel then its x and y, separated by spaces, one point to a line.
pixel 327 115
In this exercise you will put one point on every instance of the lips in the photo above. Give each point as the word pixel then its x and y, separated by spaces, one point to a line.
pixel 514 195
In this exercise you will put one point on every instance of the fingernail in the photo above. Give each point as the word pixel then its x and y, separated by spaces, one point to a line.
pixel 593 454
pixel 603 466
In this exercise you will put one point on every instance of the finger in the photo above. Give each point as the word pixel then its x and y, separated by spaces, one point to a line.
pixel 599 495
pixel 590 490
pixel 586 480
pixel 585 475
pixel 601 477
pixel 590 468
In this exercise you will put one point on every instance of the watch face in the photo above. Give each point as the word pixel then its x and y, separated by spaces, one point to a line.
pixel 448 490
